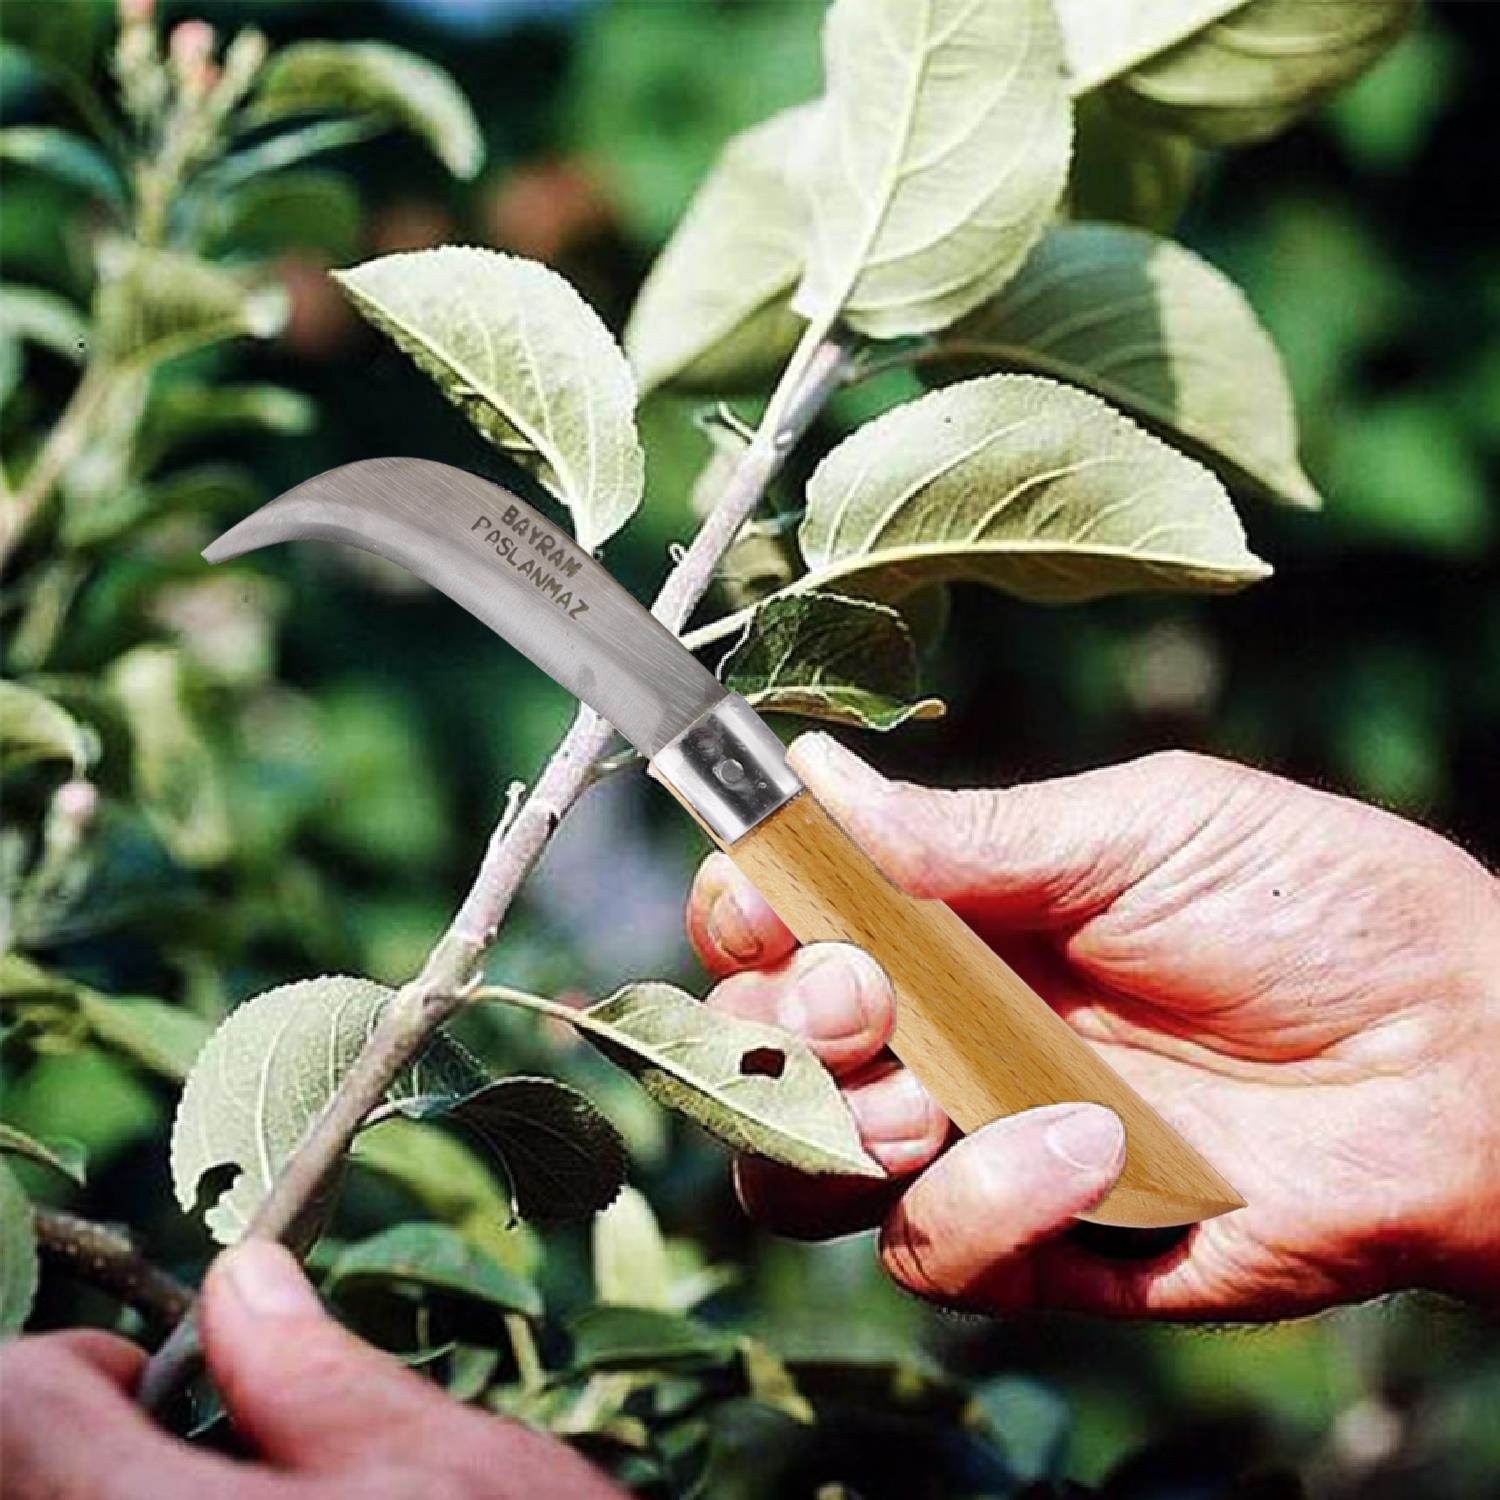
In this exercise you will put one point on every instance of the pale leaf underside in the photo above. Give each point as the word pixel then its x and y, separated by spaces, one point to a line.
pixel 259 1082
pixel 713 314
pixel 526 360
pixel 1153 329
pixel 1227 71
pixel 940 153
pixel 756 1088
pixel 1023 484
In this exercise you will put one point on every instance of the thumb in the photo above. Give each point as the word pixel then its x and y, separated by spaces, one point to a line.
pixel 960 1235
pixel 302 1390
pixel 1048 851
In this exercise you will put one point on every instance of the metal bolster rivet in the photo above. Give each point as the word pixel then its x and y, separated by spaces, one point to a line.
pixel 730 768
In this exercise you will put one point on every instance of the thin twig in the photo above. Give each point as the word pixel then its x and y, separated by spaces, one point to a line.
pixel 66 441
pixel 452 968
pixel 108 1257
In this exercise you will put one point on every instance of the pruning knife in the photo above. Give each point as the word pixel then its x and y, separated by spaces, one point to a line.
pixel 980 1039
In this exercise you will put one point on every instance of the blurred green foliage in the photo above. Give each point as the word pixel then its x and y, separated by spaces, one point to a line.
pixel 355 735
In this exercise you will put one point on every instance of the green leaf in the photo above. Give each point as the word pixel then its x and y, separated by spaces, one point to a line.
pixel 560 1156
pixel 433 1258
pixel 28 313
pixel 186 412
pixel 526 360
pixel 624 1338
pixel 712 315
pixel 34 728
pixel 1022 484
pixel 452 1184
pixel 940 153
pixel 631 1264
pixel 1405 473
pixel 65 157
pixel 1031 1422
pixel 153 305
pixel 175 777
pixel 287 149
pixel 65 38
pixel 1227 71
pixel 163 1038
pixel 754 1087
pixel 1126 169
pixel 18 1259
pixel 848 661
pixel 375 79
pixel 62 1156
pixel 257 1085
pixel 1155 330
pixel 308 210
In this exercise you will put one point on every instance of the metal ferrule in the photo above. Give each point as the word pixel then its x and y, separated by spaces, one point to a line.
pixel 730 768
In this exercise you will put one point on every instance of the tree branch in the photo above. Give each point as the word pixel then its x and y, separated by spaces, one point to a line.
pixel 108 1257
pixel 452 968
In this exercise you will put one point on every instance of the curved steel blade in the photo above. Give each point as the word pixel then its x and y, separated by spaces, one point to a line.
pixel 508 566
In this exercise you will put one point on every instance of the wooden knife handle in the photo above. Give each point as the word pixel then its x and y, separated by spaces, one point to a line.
pixel 978 1036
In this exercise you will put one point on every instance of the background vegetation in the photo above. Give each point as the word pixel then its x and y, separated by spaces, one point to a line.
pixel 305 778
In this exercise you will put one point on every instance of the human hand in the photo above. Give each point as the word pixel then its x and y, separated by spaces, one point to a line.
pixel 1307 988
pixel 329 1417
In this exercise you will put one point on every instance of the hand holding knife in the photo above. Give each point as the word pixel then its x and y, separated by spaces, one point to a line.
pixel 980 1039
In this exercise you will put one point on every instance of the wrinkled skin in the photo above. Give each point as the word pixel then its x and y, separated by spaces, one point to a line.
pixel 1308 988
pixel 329 1417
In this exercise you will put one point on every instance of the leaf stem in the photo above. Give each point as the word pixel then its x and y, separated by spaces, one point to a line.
pixel 529 1368
pixel 447 980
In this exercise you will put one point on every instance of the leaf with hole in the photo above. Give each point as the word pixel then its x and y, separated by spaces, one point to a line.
pixel 65 1157
pixel 712 315
pixel 526 360
pixel 846 661
pixel 34 728
pixel 432 1258
pixel 373 78
pixel 1022 484
pixel 939 154
pixel 558 1154
pixel 756 1088
pixel 259 1083
pixel 1226 71
pixel 1153 329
